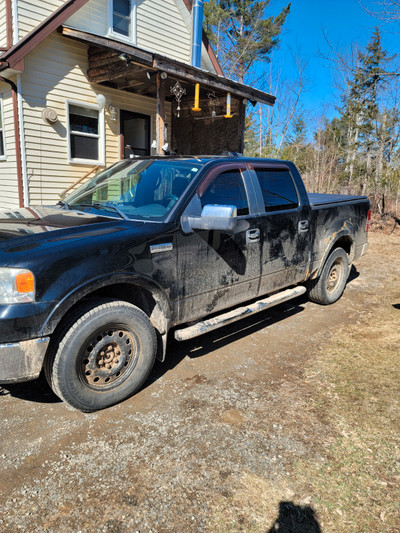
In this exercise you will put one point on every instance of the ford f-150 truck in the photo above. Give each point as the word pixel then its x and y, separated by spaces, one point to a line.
pixel 90 288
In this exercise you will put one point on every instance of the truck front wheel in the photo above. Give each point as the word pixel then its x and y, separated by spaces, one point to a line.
pixel 102 355
pixel 329 286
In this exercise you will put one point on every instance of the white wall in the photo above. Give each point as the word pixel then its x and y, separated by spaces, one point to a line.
pixel 160 26
pixel 33 12
pixel 8 167
pixel 54 72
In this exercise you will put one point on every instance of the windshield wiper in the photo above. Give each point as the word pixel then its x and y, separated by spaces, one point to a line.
pixel 63 204
pixel 105 207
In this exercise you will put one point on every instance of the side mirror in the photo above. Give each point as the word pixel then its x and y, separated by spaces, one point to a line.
pixel 217 217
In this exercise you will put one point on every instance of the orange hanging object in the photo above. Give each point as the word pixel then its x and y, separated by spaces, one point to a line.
pixel 196 106
pixel 228 106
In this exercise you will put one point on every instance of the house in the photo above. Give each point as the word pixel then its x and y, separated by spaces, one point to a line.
pixel 84 83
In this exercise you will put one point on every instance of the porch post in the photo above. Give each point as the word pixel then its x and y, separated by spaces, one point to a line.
pixel 160 121
pixel 242 124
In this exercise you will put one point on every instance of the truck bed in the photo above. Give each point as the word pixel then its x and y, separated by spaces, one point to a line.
pixel 319 199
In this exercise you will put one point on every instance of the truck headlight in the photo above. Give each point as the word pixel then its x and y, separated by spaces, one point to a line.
pixel 17 285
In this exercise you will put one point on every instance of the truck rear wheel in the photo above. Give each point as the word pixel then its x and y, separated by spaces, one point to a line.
pixel 329 286
pixel 102 355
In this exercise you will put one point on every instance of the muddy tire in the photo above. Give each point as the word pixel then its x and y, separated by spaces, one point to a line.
pixel 329 286
pixel 102 355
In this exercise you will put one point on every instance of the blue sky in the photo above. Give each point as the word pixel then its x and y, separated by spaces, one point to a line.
pixel 344 22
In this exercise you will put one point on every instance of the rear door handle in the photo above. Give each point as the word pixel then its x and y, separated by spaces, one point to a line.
pixel 252 235
pixel 303 226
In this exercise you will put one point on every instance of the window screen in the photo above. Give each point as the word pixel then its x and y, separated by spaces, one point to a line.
pixel 227 189
pixel 277 188
pixel 84 132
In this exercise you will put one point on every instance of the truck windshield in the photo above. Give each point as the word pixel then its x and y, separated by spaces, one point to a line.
pixel 139 189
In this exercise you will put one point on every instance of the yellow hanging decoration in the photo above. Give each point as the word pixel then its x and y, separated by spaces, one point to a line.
pixel 197 98
pixel 228 106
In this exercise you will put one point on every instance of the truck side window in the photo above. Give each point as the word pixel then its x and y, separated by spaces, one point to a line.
pixel 227 189
pixel 278 189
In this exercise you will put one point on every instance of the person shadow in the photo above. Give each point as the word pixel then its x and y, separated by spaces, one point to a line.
pixel 295 519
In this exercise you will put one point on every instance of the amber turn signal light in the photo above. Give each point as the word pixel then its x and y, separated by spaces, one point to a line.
pixel 24 282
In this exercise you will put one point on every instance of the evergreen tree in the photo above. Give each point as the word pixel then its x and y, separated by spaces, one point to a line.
pixel 360 111
pixel 241 34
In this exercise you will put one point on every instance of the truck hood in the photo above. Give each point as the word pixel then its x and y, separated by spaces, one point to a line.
pixel 33 220
pixel 32 229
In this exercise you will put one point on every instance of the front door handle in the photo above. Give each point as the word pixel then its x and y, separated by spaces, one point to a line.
pixel 303 226
pixel 252 235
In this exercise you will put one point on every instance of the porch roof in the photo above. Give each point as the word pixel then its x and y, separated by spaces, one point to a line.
pixel 130 73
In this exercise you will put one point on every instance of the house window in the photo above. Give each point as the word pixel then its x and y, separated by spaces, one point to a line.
pixel 122 18
pixel 85 133
pixel 2 144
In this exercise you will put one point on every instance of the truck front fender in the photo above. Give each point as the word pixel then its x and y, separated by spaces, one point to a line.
pixel 158 309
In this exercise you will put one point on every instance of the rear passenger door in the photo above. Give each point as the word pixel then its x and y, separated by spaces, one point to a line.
pixel 216 269
pixel 284 224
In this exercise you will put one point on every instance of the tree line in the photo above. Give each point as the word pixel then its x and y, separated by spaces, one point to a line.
pixel 356 152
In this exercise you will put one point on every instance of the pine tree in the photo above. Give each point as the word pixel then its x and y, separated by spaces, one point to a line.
pixel 241 33
pixel 360 111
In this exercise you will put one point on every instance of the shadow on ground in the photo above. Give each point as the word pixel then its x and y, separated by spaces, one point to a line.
pixel 295 519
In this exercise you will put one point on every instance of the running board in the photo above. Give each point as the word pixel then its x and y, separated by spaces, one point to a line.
pixel 237 314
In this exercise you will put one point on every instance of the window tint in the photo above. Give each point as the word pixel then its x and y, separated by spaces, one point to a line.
pixel 227 189
pixel 278 189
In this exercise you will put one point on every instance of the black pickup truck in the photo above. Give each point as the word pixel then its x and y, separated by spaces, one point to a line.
pixel 89 289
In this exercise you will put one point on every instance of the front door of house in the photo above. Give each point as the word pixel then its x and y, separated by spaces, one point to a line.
pixel 135 134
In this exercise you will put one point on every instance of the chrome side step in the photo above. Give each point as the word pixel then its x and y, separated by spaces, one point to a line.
pixel 237 314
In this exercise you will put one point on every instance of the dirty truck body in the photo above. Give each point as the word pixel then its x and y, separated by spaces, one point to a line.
pixel 90 288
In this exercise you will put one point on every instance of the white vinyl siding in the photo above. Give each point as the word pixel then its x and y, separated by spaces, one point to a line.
pixel 160 26
pixel 8 167
pixel 55 72
pixel 161 29
pixel 3 24
pixel 31 13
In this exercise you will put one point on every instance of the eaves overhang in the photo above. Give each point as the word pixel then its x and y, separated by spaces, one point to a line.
pixel 14 56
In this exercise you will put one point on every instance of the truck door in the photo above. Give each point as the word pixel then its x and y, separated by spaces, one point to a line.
pixel 285 224
pixel 217 270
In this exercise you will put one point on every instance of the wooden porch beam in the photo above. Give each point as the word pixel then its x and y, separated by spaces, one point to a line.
pixel 194 75
pixel 110 73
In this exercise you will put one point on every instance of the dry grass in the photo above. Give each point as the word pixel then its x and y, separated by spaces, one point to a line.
pixel 357 388
pixel 350 475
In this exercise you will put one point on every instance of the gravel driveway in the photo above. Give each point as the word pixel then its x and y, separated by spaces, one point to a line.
pixel 218 420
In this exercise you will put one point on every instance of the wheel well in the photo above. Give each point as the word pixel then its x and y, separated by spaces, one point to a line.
pixel 148 301
pixel 347 244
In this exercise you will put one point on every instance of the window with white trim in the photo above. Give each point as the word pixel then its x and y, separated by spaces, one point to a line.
pixel 85 133
pixel 2 143
pixel 122 19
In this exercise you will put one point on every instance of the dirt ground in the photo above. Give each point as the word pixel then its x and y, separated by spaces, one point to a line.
pixel 288 421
